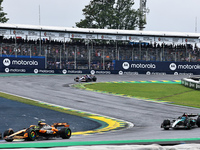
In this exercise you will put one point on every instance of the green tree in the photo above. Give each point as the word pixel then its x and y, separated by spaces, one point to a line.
pixel 110 14
pixel 3 19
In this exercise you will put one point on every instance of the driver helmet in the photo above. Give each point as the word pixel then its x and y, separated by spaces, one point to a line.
pixel 40 123
pixel 185 115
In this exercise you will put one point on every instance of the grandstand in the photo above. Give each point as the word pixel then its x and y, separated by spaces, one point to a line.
pixel 77 48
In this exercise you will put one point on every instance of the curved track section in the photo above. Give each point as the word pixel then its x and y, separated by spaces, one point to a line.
pixel 146 116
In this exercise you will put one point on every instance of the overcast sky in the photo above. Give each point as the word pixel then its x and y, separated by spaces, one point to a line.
pixel 165 15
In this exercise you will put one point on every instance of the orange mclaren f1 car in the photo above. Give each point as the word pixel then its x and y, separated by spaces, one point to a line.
pixel 41 130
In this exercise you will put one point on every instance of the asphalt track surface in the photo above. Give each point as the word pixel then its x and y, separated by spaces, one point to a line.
pixel 146 116
pixel 18 115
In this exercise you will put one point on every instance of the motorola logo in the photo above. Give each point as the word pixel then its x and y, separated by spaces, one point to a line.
pixel 6 62
pixel 172 66
pixel 92 72
pixel 125 65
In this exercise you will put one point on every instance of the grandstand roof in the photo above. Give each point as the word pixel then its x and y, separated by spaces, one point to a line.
pixel 194 36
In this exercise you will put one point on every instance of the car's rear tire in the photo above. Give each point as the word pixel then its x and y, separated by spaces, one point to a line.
pixel 31 135
pixel 7 133
pixel 188 125
pixel 198 121
pixel 94 79
pixel 65 133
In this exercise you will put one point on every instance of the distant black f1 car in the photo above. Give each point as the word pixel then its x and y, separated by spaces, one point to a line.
pixel 86 78
pixel 186 121
pixel 41 130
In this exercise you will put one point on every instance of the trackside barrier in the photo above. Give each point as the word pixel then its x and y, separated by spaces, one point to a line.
pixel 71 71
pixel 189 82
pixel 37 65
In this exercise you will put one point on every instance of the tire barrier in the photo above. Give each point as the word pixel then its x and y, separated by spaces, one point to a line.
pixel 192 82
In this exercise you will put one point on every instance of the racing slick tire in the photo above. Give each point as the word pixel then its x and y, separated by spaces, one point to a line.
pixel 188 125
pixel 7 133
pixel 198 121
pixel 31 135
pixel 65 133
pixel 76 79
pixel 94 79
pixel 166 124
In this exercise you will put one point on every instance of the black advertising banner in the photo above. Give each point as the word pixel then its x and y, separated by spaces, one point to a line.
pixel 21 63
pixel 149 67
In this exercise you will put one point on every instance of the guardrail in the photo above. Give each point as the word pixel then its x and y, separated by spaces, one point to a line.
pixel 193 82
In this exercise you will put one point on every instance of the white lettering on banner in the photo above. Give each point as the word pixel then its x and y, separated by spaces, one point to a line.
pixel 192 85
pixel 140 65
pixel 174 66
pixel 189 74
pixel 135 38
pixel 78 36
pixel 197 66
pixel 43 71
pixel 50 34
pixel 119 37
pixel 103 72
pixel 17 70
pixel 155 73
pixel 75 71
pixel 126 66
pixel 163 39
pixel 177 40
pixel 19 32
pixel 4 32
pixel 7 70
pixel 33 33
pixel 107 37
pixel 64 35
pixel 24 62
pixel 8 62
pixel 189 40
pixel 148 39
pixel 186 83
pixel 197 86
pixel 91 36
pixel 131 73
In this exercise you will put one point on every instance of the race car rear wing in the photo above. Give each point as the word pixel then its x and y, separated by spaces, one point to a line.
pixel 193 115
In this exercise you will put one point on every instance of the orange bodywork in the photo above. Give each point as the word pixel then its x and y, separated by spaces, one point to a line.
pixel 24 134
pixel 60 124
pixel 53 129
pixel 42 131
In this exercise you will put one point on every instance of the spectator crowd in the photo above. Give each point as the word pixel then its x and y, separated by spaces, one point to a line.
pixel 96 54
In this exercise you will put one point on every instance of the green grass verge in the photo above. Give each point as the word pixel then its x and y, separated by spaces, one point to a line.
pixel 174 93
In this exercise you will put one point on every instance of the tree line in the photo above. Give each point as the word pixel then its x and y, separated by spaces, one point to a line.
pixel 104 14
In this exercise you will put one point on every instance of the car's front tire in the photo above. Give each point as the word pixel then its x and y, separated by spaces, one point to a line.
pixel 166 124
pixel 31 135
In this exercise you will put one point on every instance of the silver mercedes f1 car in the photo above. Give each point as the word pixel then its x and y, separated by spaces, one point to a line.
pixel 186 121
